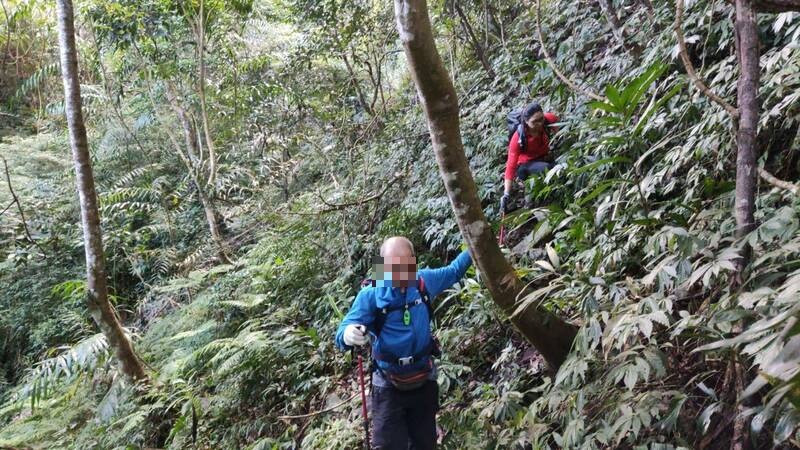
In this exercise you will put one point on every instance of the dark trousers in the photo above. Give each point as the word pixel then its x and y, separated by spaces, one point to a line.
pixel 532 167
pixel 404 420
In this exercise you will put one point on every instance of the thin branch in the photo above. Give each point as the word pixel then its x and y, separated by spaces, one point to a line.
pixel 771 179
pixel 115 104
pixel 7 208
pixel 687 63
pixel 361 98
pixel 376 196
pixel 552 64
pixel 316 413
pixel 19 208
pixel 479 50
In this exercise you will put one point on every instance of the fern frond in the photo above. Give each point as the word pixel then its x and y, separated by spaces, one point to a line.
pixel 138 195
pixel 85 356
pixel 135 174
pixel 194 257
pixel 35 80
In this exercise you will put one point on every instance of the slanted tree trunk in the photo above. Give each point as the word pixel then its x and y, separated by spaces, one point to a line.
pixel 480 51
pixel 551 335
pixel 97 296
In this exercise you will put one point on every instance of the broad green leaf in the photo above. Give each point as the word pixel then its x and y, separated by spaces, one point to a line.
pixel 605 106
pixel 652 108
pixel 615 98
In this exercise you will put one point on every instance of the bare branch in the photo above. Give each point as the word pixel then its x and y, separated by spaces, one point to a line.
pixel 373 197
pixel 19 208
pixel 479 50
pixel 771 179
pixel 361 97
pixel 201 42
pixel 316 413
pixel 552 64
pixel 687 63
pixel 7 207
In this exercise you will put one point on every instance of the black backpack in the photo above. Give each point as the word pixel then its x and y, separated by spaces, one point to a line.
pixel 514 125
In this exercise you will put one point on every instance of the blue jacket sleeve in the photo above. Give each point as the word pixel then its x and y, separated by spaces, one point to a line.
pixel 362 312
pixel 437 280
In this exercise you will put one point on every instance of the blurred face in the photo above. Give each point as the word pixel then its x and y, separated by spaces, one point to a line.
pixel 535 123
pixel 398 263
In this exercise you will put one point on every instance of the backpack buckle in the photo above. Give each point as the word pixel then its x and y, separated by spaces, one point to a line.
pixel 407 361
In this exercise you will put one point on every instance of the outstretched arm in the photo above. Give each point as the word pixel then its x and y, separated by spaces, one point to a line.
pixel 511 163
pixel 362 312
pixel 437 280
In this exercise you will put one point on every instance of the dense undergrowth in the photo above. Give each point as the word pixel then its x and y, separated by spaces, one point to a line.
pixel 632 236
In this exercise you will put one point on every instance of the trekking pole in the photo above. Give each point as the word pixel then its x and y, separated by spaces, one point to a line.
pixel 502 238
pixel 363 400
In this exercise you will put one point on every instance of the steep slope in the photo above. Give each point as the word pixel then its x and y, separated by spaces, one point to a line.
pixel 632 240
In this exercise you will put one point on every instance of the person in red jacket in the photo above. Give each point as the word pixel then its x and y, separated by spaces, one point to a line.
pixel 528 153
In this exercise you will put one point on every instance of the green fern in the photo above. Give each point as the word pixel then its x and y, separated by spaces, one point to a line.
pixel 85 356
pixel 36 79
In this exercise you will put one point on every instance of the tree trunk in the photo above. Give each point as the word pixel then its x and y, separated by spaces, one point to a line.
pixel 747 94
pixel 479 50
pixel 192 147
pixel 97 291
pixel 548 333
pixel 201 41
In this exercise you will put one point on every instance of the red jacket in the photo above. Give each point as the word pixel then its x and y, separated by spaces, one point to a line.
pixel 536 147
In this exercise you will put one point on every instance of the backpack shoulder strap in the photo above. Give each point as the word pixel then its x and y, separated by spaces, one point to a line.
pixel 425 296
pixel 382 313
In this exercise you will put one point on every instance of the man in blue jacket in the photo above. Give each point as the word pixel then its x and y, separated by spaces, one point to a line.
pixel 395 312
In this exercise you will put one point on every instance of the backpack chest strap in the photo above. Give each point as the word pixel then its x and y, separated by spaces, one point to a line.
pixel 386 311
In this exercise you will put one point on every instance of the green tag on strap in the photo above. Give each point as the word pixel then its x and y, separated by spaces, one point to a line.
pixel 407 317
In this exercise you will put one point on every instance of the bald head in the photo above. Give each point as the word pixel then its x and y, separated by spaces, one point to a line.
pixel 399 261
pixel 397 246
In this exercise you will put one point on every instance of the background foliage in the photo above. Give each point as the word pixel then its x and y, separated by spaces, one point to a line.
pixel 322 152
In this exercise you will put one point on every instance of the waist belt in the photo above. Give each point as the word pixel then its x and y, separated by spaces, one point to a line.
pixel 391 358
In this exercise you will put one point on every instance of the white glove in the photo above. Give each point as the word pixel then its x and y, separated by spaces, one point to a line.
pixel 355 334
